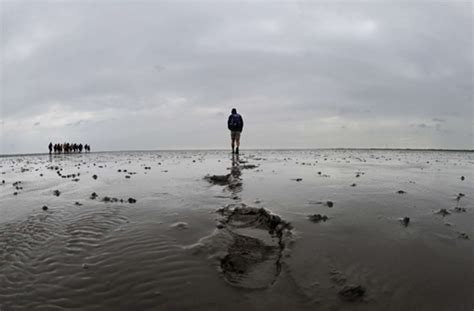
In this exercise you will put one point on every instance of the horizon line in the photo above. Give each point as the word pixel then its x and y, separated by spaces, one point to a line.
pixel 249 149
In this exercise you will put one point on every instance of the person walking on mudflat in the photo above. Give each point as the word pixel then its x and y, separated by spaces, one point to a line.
pixel 235 124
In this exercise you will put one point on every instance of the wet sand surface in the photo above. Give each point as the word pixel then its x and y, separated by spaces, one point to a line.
pixel 281 230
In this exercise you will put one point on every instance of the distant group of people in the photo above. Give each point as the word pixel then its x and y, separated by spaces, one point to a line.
pixel 68 148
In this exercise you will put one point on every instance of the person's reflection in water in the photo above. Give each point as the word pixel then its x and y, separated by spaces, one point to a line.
pixel 235 184
pixel 235 170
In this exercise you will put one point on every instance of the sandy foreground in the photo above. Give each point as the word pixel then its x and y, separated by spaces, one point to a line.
pixel 268 230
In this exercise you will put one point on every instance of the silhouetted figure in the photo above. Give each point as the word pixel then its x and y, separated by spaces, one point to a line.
pixel 235 124
pixel 68 148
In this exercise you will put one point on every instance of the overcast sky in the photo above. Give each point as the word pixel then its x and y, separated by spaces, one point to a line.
pixel 125 75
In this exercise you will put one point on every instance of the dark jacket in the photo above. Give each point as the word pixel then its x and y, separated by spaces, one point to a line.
pixel 235 122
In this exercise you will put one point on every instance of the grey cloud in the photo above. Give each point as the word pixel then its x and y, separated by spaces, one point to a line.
pixel 147 63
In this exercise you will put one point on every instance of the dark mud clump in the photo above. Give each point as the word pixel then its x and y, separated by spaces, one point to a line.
pixel 401 192
pixel 56 193
pixel 111 200
pixel 329 203
pixel 318 218
pixel 462 178
pixel 94 176
pixel 45 208
pixel 405 221
pixel 443 212
pixel 463 236
pixel 460 209
pixel 352 292
pixel 93 196
pixel 131 200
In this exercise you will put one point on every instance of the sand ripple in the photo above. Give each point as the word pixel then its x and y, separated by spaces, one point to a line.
pixel 92 257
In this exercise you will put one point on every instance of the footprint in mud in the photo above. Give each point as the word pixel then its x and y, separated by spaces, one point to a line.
pixel 249 244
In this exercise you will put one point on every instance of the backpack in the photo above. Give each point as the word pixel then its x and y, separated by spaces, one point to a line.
pixel 235 121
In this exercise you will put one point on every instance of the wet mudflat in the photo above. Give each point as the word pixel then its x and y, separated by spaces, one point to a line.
pixel 203 230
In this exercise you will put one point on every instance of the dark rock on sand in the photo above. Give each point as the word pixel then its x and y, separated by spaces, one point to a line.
pixel 3 181
pixel 460 195
pixel 127 176
pixel 458 209
pixel 93 195
pixel 353 185
pixel 131 200
pixel 94 176
pixel 352 292
pixel 297 179
pixel 405 221
pixel 443 212
pixel 329 204
pixel 106 199
pixel 56 193
pixel 77 203
pixel 317 217
pixel 462 178
pixel 45 208
pixel 463 236
pixel 15 193
pixel 401 192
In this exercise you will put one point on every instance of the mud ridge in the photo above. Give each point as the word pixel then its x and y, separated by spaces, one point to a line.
pixel 249 245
